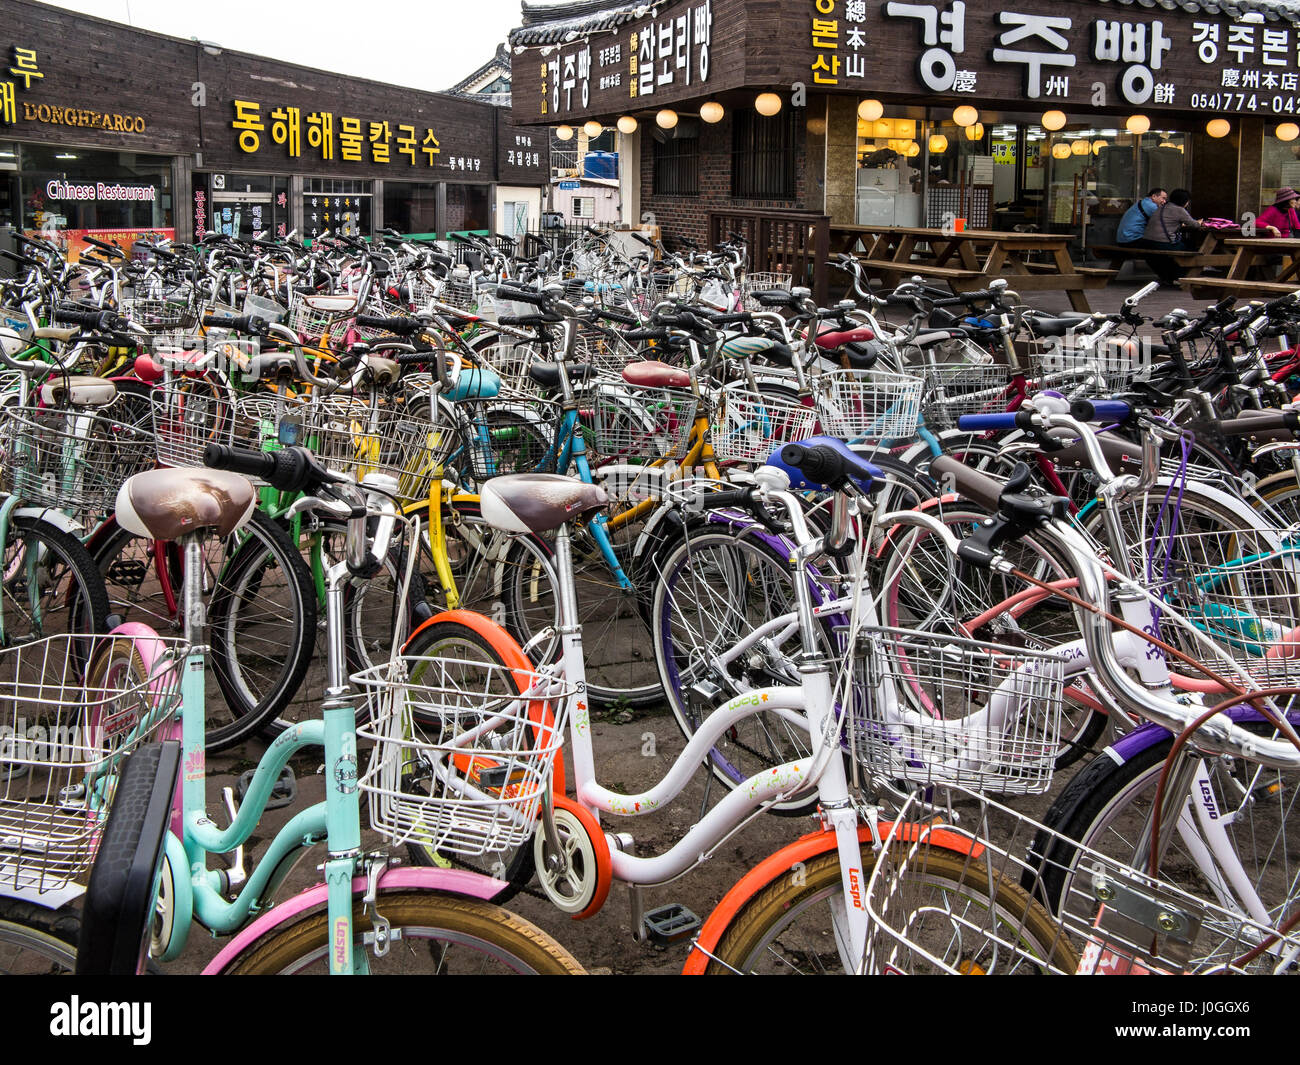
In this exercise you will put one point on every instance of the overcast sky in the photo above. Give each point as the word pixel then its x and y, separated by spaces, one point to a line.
pixel 429 45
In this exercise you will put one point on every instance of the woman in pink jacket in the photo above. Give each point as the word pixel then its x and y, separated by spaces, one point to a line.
pixel 1280 220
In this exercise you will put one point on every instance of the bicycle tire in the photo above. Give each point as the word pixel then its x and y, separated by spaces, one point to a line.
pixel 72 597
pixel 36 941
pixel 753 940
pixel 452 640
pixel 488 933
pixel 697 610
pixel 258 671
pixel 1106 805
pixel 509 578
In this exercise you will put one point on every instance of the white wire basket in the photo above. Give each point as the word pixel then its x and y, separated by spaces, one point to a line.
pixel 640 422
pixel 762 281
pixel 869 404
pixel 158 315
pixel 935 709
pixel 70 708
pixel 72 461
pixel 1234 587
pixel 354 437
pixel 948 894
pixel 460 760
pixel 747 426
pixel 189 413
pixel 1108 366
pixel 954 389
pixel 315 317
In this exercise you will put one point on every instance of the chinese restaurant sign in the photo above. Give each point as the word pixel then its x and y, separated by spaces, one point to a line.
pixel 1065 53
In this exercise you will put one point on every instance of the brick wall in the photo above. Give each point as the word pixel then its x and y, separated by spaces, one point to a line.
pixel 687 216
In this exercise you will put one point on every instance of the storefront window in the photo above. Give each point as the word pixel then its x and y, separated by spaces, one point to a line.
pixel 469 209
pixel 763 155
pixel 243 205
pixel 410 208
pixel 1281 167
pixel 677 163
pixel 889 171
pixel 339 205
pixel 68 194
pixel 1098 171
pixel 9 194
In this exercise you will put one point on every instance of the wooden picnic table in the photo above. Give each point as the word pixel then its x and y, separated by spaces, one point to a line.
pixel 969 260
pixel 1252 271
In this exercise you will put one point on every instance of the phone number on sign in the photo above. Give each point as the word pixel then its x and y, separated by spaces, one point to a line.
pixel 1245 101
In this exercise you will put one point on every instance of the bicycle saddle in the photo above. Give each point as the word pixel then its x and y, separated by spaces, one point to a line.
pixel 537 502
pixel 78 392
pixel 655 374
pixel 845 336
pixel 167 503
pixel 547 374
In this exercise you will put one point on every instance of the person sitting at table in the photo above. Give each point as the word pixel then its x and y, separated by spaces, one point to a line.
pixel 1134 222
pixel 1164 232
pixel 1280 219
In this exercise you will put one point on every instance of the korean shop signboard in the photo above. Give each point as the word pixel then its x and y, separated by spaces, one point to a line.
pixel 671 53
pixel 1071 54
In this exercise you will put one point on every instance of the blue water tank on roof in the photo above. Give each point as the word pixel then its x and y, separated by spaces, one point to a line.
pixel 601 165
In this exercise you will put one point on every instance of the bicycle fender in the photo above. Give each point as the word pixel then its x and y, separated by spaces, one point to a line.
pixel 511 654
pixel 779 864
pixel 54 517
pixel 423 878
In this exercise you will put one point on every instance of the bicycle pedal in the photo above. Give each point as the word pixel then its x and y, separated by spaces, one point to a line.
pixel 670 924
pixel 283 792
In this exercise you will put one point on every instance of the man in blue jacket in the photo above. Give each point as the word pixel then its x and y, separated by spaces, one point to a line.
pixel 1136 217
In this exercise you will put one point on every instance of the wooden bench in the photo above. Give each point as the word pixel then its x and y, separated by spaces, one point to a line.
pixel 1118 254
pixel 946 273
pixel 1207 287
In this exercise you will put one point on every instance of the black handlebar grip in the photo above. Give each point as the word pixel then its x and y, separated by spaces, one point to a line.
pixel 815 463
pixel 617 316
pixel 239 460
pixel 82 316
pixel 522 295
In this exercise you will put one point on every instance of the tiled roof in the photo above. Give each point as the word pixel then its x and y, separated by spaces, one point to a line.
pixel 1272 10
pixel 557 23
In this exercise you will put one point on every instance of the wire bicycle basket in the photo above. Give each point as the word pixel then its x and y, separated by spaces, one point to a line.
pixel 71 460
pixel 929 708
pixel 948 895
pixel 460 758
pixel 748 426
pixel 71 707
pixel 868 404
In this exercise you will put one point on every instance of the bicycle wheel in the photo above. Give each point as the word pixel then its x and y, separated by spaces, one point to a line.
pixel 35 941
pixel 50 584
pixel 509 578
pixel 1107 806
pixel 789 927
pixel 429 933
pixel 714 590
pixel 262 627
pixel 458 643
